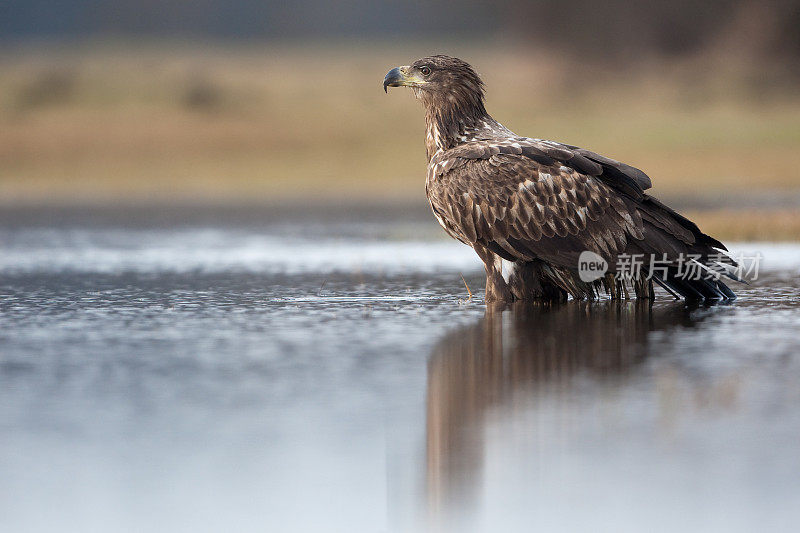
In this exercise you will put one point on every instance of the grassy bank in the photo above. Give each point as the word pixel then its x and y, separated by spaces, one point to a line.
pixel 287 124
pixel 749 224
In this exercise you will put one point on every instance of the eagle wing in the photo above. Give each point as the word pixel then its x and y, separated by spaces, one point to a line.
pixel 526 198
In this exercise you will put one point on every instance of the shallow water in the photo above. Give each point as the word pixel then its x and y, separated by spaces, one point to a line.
pixel 325 371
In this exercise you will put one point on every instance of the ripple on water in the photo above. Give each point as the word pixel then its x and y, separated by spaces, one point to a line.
pixel 192 378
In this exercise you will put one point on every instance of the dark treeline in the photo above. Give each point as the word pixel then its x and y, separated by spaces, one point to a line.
pixel 615 28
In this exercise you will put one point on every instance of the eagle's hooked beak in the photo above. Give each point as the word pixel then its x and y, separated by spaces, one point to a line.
pixel 399 76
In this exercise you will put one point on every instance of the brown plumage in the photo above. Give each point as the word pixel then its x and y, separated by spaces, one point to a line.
pixel 539 204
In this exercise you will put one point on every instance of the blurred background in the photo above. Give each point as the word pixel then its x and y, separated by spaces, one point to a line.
pixel 225 305
pixel 261 102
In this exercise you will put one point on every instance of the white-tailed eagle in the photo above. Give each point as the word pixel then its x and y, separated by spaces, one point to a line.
pixel 531 207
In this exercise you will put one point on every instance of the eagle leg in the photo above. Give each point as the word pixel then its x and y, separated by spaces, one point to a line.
pixel 497 289
pixel 529 281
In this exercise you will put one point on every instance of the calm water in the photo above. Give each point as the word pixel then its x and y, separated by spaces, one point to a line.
pixel 259 370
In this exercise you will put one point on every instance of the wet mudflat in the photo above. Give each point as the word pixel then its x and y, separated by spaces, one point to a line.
pixel 307 371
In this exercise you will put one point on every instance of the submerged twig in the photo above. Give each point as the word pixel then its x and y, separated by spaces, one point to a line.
pixel 467 286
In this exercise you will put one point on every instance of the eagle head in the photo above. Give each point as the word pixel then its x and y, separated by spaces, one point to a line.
pixel 440 81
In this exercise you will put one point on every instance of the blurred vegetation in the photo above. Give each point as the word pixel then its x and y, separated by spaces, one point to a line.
pixel 179 123
pixel 609 30
pixel 779 224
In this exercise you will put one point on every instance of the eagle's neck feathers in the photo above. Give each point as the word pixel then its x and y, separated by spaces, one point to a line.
pixel 451 121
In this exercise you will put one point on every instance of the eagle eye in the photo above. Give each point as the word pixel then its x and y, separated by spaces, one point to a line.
pixel 426 71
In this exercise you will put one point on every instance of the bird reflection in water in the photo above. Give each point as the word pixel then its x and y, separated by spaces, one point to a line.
pixel 509 354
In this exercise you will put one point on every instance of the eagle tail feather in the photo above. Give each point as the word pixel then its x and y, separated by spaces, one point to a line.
pixel 694 289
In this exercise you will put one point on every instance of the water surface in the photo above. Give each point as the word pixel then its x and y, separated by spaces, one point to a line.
pixel 270 370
